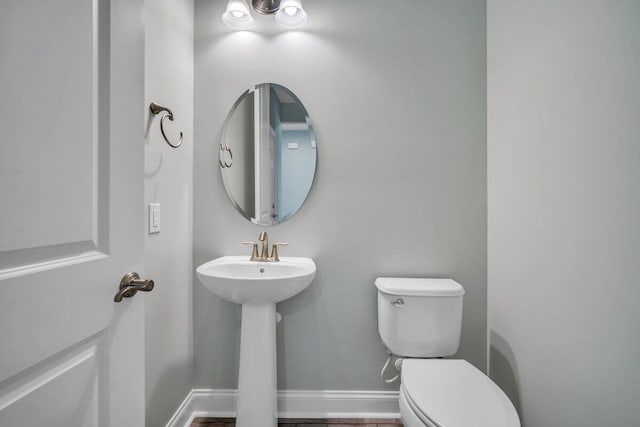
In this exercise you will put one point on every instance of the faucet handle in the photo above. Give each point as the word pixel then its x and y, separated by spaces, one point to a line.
pixel 254 250
pixel 274 251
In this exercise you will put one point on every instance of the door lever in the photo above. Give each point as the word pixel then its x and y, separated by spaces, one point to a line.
pixel 131 284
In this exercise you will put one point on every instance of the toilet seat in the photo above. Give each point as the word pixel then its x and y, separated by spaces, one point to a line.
pixel 453 393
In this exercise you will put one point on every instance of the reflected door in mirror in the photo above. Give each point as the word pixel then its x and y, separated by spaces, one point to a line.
pixel 269 136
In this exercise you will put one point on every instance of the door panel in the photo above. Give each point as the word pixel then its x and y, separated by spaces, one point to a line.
pixel 58 381
pixel 71 223
pixel 55 96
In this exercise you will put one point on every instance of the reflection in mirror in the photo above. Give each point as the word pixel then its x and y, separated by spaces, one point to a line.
pixel 268 154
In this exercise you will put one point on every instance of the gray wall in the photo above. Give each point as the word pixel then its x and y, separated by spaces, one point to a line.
pixel 169 181
pixel 564 209
pixel 398 99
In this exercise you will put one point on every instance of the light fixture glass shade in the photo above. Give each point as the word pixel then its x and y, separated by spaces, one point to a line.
pixel 237 15
pixel 291 14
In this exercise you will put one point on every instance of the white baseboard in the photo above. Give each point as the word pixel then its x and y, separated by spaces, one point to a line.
pixel 292 404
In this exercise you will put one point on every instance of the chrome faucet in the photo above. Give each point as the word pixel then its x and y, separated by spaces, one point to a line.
pixel 264 253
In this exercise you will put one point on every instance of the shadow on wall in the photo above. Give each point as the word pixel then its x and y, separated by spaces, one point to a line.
pixel 504 370
pixel 165 390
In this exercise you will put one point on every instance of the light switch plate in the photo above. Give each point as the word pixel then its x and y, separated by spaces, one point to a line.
pixel 154 218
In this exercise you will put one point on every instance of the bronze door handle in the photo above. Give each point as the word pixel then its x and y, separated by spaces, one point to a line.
pixel 131 284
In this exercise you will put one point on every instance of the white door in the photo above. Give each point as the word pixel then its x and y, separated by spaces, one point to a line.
pixel 71 212
pixel 264 156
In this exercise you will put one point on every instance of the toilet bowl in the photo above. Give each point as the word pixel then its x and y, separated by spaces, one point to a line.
pixel 420 321
pixel 452 393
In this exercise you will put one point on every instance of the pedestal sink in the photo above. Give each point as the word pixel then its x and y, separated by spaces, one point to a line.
pixel 258 286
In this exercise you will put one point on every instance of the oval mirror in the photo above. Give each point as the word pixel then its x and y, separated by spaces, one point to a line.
pixel 268 154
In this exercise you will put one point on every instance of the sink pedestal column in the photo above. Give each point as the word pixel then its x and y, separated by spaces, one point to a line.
pixel 257 396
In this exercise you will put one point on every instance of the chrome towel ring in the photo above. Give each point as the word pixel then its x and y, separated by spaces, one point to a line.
pixel 224 148
pixel 157 109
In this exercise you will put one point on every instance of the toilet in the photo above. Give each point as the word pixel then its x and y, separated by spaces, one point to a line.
pixel 419 321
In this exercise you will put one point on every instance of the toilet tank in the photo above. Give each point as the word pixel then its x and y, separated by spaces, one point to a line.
pixel 420 317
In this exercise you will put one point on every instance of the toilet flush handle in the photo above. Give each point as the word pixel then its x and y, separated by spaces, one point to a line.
pixel 399 302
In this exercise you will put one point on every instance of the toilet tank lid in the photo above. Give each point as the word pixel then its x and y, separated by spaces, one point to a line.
pixel 419 286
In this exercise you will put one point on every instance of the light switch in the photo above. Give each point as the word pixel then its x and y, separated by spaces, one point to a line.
pixel 154 218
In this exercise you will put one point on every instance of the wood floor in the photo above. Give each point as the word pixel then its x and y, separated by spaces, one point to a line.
pixel 307 422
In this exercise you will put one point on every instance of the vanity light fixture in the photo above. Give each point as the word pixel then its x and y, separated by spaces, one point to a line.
pixel 288 13
pixel 237 15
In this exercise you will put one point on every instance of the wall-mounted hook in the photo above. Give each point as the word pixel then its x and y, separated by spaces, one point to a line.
pixel 157 109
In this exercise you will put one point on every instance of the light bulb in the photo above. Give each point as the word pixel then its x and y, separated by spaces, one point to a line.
pixel 291 14
pixel 237 15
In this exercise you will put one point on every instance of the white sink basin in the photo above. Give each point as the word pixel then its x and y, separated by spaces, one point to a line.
pixel 258 286
pixel 236 279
